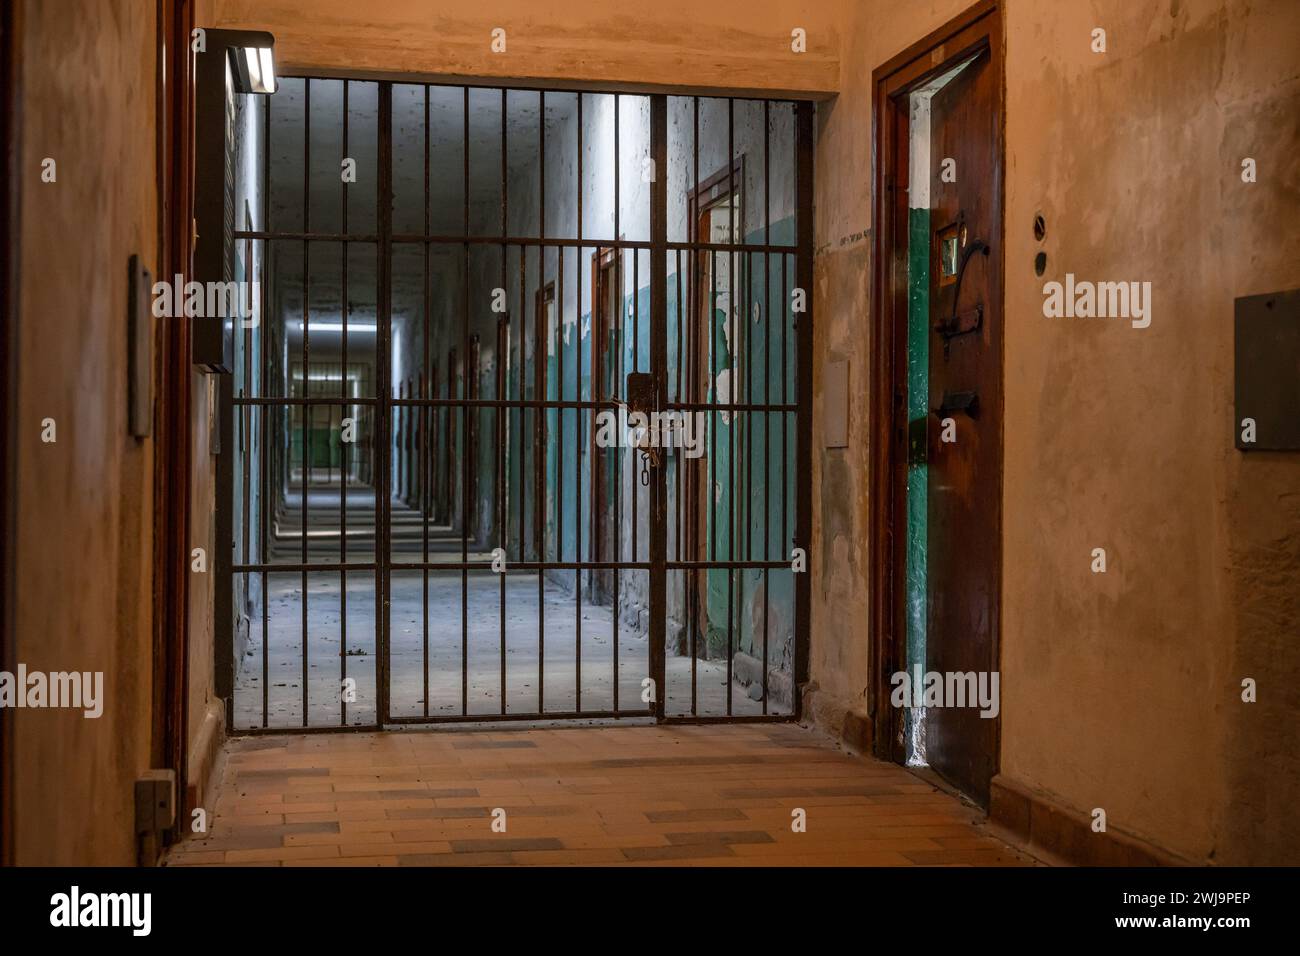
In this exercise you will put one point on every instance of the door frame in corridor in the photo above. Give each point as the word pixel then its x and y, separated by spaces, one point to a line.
pixel 978 28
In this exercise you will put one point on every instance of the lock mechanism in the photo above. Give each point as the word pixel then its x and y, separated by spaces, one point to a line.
pixel 641 398
pixel 954 255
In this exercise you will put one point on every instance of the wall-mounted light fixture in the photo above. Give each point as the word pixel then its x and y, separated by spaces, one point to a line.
pixel 231 62
pixel 254 69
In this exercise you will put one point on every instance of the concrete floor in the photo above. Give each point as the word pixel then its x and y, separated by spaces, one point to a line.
pixel 560 649
pixel 721 795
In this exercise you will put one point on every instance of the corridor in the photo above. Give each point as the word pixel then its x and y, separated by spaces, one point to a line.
pixel 710 795
pixel 762 432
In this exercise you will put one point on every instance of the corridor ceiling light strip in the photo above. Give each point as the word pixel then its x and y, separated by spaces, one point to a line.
pixel 326 377
pixel 338 327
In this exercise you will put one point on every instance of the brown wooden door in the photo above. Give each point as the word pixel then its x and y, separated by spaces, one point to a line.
pixel 965 486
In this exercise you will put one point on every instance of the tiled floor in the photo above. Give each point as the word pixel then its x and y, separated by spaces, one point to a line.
pixel 631 795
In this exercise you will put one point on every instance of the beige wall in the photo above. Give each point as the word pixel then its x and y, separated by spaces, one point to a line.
pixel 1120 691
pixel 733 44
pixel 84 508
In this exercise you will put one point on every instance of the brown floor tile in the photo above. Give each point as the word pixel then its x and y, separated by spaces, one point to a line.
pixel 638 796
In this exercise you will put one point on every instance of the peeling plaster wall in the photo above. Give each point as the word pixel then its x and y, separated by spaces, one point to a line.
pixel 1119 691
pixel 84 504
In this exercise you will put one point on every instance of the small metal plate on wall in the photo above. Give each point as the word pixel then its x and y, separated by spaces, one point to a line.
pixel 1267 373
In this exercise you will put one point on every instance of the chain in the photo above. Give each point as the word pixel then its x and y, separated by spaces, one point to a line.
pixel 649 459
pixel 650 456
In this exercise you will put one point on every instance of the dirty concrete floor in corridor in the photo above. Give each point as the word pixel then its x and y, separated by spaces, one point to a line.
pixel 603 795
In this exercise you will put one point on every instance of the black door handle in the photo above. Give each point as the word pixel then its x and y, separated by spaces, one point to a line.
pixel 967 403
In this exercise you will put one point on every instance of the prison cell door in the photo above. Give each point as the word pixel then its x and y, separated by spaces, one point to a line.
pixel 965 430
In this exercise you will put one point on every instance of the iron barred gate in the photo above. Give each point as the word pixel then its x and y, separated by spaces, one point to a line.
pixel 465 298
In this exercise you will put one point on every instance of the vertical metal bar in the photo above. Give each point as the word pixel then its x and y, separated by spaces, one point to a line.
pixel 523 419
pixel 557 331
pixel 505 228
pixel 679 459
pixel 264 444
pixel 266 628
pixel 539 458
pixel 636 367
pixel 306 368
pixel 619 391
pixel 732 380
pixel 579 422
pixel 343 449
pixel 743 334
pixel 580 184
pixel 803 348
pixel 504 266
pixel 540 422
pixel 618 174
pixel 541 171
pixel 246 413
pixel 659 368
pixel 503 352
pixel 383 405
pixel 767 380
pixel 578 419
pixel 451 372
pixel 524 413
pixel 785 399
pixel 710 311
pixel 696 315
pixel 426 411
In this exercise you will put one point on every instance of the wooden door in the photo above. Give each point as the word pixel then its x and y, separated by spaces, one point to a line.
pixel 965 480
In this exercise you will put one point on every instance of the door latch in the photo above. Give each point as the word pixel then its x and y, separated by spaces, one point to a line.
pixel 968 403
pixel 971 320
pixel 642 397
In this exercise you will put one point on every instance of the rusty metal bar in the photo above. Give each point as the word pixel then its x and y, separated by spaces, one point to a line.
pixel 306 367
pixel 343 453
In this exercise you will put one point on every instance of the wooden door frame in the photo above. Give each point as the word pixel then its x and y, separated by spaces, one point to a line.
pixel 170 551
pixel 172 451
pixel 979 25
pixel 10 109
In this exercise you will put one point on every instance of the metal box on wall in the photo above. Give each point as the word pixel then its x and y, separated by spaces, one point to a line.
pixel 1267 372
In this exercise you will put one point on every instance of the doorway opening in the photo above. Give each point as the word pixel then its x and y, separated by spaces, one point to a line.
pixel 937 403
pixel 464 297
